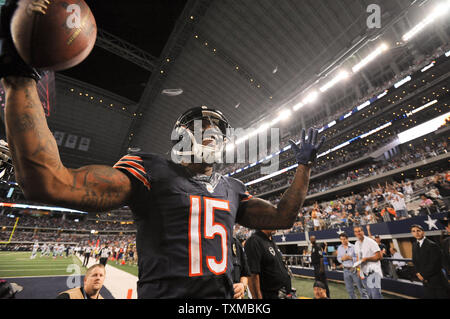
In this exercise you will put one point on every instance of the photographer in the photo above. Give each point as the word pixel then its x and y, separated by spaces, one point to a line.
pixel 270 277
pixel 317 261
pixel 92 284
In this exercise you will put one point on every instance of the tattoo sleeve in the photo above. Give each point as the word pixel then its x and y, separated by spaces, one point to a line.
pixel 261 214
pixel 37 164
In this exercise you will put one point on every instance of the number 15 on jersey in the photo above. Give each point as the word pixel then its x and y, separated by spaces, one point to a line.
pixel 211 229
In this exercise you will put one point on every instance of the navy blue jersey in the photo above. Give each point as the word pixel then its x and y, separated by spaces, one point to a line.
pixel 184 228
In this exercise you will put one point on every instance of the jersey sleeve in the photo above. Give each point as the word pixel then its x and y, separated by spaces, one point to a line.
pixel 243 194
pixel 133 167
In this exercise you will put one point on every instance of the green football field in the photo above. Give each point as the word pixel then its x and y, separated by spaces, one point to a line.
pixel 132 269
pixel 19 264
pixel 304 286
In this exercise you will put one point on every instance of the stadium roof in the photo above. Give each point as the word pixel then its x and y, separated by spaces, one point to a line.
pixel 249 58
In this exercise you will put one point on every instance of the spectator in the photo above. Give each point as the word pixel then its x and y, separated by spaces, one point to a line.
pixel 425 205
pixel 397 264
pixel 317 261
pixel 241 271
pixel 446 244
pixel 315 215
pixel 320 290
pixel 347 257
pixel 369 255
pixel 397 201
pixel 93 283
pixel 427 259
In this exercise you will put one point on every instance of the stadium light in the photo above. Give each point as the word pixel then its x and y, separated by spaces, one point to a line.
pixel 382 48
pixel 275 121
pixel 421 108
pixel 382 94
pixel 230 147
pixel 423 129
pixel 285 115
pixel 241 140
pixel 401 82
pixel 429 66
pixel 348 114
pixel 379 128
pixel 298 106
pixel 284 170
pixel 262 128
pixel 365 104
pixel 438 12
pixel 341 76
pixel 50 208
pixel 311 97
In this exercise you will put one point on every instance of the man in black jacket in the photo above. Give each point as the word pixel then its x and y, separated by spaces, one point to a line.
pixel 427 259
pixel 446 245
pixel 317 262
pixel 270 277
pixel 241 271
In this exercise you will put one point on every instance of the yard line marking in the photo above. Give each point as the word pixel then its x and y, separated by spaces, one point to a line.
pixel 43 276
pixel 47 269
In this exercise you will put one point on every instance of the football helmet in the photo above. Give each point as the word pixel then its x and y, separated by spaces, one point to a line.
pixel 207 131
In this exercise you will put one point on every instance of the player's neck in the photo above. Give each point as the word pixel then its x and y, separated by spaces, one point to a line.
pixel 199 168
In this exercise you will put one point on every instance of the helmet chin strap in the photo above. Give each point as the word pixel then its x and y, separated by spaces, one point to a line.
pixel 202 153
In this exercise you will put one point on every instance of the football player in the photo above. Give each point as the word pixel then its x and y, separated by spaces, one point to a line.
pixel 184 212
pixel 44 250
pixel 35 250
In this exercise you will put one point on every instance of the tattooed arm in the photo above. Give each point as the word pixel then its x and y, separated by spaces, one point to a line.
pixel 261 214
pixel 37 164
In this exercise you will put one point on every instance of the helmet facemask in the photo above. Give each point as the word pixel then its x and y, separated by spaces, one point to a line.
pixel 203 139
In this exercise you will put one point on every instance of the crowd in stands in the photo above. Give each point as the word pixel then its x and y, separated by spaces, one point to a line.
pixel 68 224
pixel 419 150
pixel 29 236
pixel 420 61
pixel 382 203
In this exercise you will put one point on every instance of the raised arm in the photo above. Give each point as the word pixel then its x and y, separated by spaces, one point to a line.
pixel 261 214
pixel 38 167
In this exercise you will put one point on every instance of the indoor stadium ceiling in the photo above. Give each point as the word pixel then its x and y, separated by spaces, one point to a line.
pixel 248 58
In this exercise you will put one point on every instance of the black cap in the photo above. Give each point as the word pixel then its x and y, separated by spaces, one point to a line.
pixel 319 284
pixel 417 226
pixel 377 236
pixel 445 220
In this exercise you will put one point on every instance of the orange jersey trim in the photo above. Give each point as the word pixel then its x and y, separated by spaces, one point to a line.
pixel 137 175
pixel 134 164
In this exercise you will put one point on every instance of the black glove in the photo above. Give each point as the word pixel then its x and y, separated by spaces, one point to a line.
pixel 307 152
pixel 11 64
